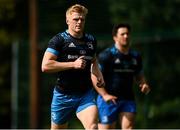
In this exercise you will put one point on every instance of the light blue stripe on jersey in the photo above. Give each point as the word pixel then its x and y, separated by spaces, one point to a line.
pixel 52 51
pixel 100 67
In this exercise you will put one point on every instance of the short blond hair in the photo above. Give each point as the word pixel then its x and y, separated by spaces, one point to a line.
pixel 77 8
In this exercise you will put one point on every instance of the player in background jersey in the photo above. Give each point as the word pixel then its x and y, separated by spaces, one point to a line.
pixel 120 66
pixel 72 55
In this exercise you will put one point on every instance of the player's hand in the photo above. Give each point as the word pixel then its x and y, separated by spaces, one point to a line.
pixel 145 88
pixel 80 63
pixel 100 83
pixel 108 98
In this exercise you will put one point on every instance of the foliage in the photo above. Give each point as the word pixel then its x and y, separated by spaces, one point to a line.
pixel 146 14
pixel 160 109
pixel 160 14
pixel 7 15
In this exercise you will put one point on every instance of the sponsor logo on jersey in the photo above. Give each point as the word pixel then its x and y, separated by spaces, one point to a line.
pixel 72 56
pixel 124 70
pixel 71 45
pixel 76 56
pixel 88 57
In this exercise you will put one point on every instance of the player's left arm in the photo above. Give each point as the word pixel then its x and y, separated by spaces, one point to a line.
pixel 95 71
pixel 99 84
pixel 139 76
pixel 141 81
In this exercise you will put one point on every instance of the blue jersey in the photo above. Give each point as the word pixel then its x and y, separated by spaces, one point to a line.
pixel 68 49
pixel 119 70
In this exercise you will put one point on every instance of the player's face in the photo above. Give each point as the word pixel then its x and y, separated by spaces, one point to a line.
pixel 76 22
pixel 122 37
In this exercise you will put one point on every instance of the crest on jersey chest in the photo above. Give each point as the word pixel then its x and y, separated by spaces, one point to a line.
pixel 90 45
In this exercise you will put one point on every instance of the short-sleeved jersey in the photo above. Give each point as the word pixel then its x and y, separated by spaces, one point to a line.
pixel 119 70
pixel 68 49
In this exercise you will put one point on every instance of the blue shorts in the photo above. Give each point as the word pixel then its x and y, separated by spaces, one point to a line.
pixel 64 106
pixel 108 112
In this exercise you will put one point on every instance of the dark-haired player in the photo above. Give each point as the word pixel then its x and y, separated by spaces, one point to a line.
pixel 120 66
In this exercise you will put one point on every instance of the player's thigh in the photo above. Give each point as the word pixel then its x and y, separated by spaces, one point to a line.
pixel 88 116
pixel 106 126
pixel 62 108
pixel 108 112
pixel 87 110
pixel 127 120
pixel 57 126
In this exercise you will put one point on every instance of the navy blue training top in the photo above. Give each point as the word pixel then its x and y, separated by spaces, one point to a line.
pixel 68 49
pixel 119 70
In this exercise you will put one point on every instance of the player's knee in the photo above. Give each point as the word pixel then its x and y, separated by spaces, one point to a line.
pixel 128 126
pixel 94 126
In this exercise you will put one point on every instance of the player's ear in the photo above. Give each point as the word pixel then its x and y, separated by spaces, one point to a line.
pixel 114 38
pixel 66 20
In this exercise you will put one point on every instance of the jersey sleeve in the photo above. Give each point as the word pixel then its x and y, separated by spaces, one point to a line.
pixel 139 68
pixel 95 45
pixel 54 45
pixel 103 60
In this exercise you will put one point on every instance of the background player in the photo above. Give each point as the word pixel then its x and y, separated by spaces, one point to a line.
pixel 120 67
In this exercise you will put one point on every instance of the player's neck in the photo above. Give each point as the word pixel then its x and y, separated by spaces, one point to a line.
pixel 122 49
pixel 77 35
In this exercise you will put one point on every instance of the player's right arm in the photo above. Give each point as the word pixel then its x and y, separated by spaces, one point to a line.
pixel 49 63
